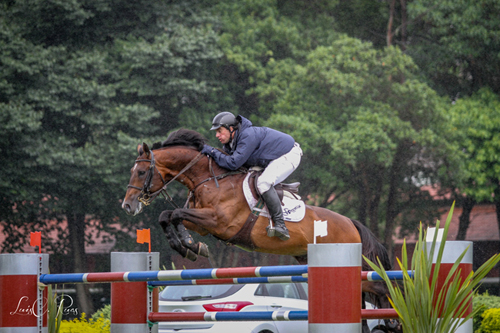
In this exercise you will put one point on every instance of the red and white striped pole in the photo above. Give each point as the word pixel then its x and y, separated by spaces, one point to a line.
pixel 23 306
pixel 452 250
pixel 131 302
pixel 334 275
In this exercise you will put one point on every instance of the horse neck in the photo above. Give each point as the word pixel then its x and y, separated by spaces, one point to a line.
pixel 170 161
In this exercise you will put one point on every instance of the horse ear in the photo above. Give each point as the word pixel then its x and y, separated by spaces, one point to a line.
pixel 139 150
pixel 145 147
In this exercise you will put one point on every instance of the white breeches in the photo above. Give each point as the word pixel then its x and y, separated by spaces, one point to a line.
pixel 279 169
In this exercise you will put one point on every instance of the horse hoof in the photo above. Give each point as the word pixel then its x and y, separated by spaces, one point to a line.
pixel 203 250
pixel 391 324
pixel 191 255
pixel 164 226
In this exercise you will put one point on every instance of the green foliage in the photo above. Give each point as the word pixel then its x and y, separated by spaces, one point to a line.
pixel 482 303
pixel 476 120
pixel 363 19
pixel 82 325
pixel 457 43
pixel 82 84
pixel 420 305
pixel 255 34
pixel 491 321
pixel 365 121
pixel 104 313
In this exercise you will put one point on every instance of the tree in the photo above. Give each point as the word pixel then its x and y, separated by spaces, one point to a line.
pixel 368 20
pixel 457 44
pixel 83 82
pixel 384 135
pixel 371 130
pixel 476 120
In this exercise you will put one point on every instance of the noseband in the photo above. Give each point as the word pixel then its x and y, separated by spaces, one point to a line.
pixel 146 197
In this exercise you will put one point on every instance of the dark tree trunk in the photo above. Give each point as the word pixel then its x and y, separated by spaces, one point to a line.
pixel 392 209
pixel 364 195
pixel 404 22
pixel 390 23
pixel 497 206
pixel 373 208
pixel 76 228
pixel 390 216
pixel 464 220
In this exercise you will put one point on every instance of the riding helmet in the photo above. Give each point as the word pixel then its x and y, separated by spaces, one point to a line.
pixel 224 119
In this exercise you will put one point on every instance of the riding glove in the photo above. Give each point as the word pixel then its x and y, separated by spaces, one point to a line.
pixel 207 150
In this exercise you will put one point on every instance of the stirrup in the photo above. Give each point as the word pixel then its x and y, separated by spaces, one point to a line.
pixel 271 232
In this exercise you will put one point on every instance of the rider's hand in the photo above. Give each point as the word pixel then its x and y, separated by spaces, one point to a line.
pixel 207 150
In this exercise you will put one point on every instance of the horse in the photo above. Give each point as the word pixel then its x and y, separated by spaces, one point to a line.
pixel 216 205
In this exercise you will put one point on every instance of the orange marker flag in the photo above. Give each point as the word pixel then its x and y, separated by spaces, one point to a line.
pixel 36 240
pixel 144 236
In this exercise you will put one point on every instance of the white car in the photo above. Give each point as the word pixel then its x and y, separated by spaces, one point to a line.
pixel 237 297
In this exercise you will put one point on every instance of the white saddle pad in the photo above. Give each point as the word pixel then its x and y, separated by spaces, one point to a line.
pixel 293 211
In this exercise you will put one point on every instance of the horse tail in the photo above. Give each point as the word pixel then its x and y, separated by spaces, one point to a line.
pixel 371 247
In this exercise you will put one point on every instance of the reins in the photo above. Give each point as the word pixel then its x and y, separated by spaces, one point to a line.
pixel 146 197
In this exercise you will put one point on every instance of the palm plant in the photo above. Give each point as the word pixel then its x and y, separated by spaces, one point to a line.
pixel 54 312
pixel 421 305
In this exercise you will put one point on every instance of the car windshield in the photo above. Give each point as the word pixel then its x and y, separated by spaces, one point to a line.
pixel 192 293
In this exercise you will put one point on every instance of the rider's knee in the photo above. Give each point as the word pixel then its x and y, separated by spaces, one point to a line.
pixel 263 185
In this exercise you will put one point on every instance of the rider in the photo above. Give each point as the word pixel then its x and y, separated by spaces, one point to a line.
pixel 248 146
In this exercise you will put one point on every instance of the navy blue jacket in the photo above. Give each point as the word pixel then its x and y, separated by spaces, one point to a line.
pixel 253 146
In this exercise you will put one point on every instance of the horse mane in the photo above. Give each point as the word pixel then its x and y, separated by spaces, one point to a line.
pixel 185 137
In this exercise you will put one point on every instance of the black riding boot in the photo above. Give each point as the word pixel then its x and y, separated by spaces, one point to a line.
pixel 274 207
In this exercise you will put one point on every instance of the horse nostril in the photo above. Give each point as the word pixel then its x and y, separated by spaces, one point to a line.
pixel 126 207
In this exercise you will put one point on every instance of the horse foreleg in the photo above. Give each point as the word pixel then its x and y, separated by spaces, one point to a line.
pixel 173 239
pixel 188 241
pixel 186 238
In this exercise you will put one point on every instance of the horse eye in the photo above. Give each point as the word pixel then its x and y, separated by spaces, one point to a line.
pixel 141 173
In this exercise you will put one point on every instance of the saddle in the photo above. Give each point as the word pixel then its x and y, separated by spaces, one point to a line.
pixel 242 238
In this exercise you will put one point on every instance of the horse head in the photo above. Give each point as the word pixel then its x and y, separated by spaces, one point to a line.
pixel 142 180
pixel 155 169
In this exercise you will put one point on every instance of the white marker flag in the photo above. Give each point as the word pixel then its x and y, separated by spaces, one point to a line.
pixel 320 229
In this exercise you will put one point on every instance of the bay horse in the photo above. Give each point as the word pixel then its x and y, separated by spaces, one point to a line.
pixel 216 205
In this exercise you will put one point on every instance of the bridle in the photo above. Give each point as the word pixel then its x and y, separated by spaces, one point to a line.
pixel 146 197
